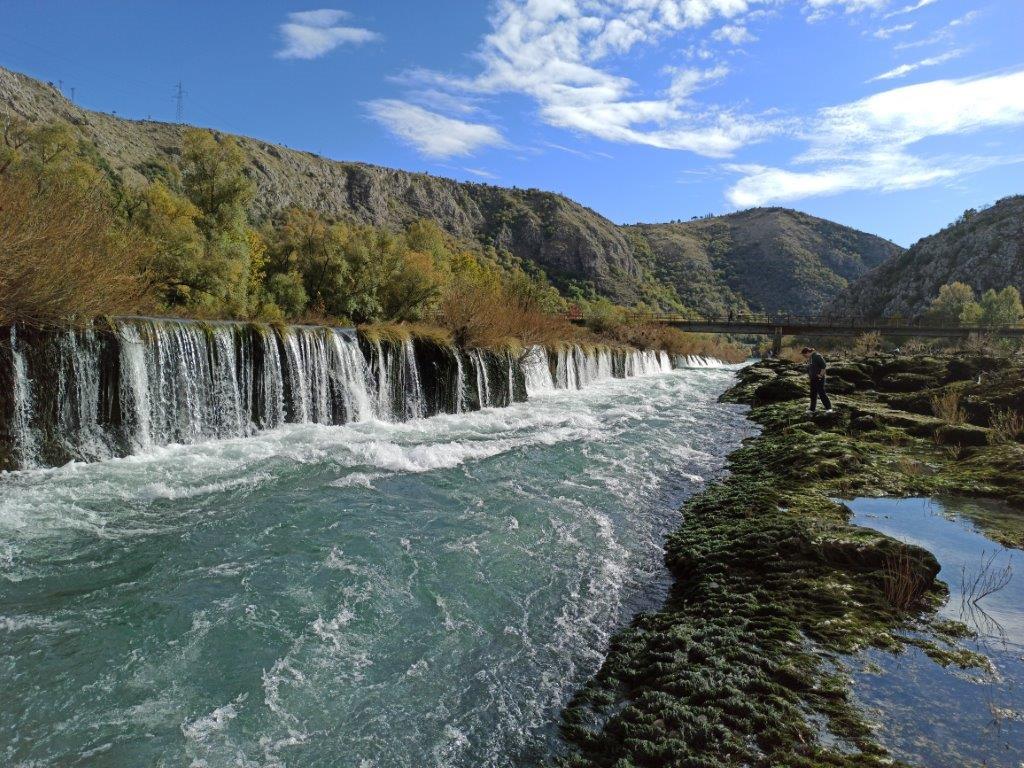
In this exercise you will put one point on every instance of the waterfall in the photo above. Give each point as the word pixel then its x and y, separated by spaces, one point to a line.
pixel 131 384
pixel 697 361
pixel 460 381
pixel 412 387
pixel 25 443
pixel 483 384
pixel 537 372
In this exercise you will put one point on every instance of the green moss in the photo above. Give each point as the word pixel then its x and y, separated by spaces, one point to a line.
pixel 772 582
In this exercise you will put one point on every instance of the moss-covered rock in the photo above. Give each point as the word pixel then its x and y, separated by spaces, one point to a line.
pixel 961 434
pixel 781 389
pixel 771 582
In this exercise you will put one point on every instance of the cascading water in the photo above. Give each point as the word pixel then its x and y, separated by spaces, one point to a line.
pixel 94 393
pixel 24 436
pixel 696 361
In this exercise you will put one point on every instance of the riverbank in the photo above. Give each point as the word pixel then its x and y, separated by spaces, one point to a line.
pixel 773 585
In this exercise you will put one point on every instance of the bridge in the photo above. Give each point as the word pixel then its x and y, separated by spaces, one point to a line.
pixel 780 325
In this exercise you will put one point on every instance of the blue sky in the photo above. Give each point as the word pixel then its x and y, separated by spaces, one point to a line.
pixel 892 116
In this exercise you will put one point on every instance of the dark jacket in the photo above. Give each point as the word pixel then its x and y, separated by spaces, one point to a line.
pixel 817 366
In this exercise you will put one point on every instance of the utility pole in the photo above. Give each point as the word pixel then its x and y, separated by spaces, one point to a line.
pixel 179 97
pixel 72 89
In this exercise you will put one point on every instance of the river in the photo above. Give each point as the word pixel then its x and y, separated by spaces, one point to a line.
pixel 424 593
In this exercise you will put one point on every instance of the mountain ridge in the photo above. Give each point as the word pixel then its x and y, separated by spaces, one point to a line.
pixel 983 248
pixel 576 246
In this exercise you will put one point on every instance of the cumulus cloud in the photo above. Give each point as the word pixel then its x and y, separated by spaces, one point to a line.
pixel 431 133
pixel 553 52
pixel 868 144
pixel 312 34
pixel 906 69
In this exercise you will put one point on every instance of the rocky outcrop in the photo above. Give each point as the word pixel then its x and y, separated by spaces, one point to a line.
pixel 984 249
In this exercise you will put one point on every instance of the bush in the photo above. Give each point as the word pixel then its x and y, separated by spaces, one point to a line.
pixel 63 254
pixel 1006 426
pixel 947 407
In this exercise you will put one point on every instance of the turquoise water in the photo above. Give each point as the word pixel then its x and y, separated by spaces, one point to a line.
pixel 419 594
pixel 934 716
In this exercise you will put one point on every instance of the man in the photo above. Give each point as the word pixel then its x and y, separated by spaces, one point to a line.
pixel 816 368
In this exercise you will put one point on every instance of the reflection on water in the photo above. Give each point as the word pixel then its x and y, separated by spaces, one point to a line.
pixel 938 716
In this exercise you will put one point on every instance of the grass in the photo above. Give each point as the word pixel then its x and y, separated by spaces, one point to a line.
pixel 904 583
pixel 946 406
pixel 1006 426
pixel 401 332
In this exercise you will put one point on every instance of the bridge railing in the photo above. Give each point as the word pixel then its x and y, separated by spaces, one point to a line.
pixel 792 320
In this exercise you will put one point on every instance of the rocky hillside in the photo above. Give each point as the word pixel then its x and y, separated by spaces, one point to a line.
pixel 984 249
pixel 709 265
pixel 773 259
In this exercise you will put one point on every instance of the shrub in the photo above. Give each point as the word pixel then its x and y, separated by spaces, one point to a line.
pixel 63 255
pixel 946 406
pixel 1006 426
pixel 867 343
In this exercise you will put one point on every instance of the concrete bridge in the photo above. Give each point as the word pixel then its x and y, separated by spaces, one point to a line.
pixel 780 325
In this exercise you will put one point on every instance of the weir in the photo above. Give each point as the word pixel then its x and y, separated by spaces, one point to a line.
pixel 130 384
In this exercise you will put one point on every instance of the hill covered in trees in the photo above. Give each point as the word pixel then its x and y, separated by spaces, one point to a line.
pixel 709 265
pixel 768 259
pixel 982 249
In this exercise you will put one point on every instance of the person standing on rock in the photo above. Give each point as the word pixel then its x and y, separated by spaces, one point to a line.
pixel 816 369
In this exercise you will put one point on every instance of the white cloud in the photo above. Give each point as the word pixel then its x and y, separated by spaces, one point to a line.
pixel 886 32
pixel 481 173
pixel 553 51
pixel 817 10
pixel 905 69
pixel 311 34
pixel 867 144
pixel 734 33
pixel 431 133
pixel 910 8
pixel 942 34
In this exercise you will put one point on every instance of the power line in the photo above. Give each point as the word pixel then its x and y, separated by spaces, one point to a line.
pixel 179 97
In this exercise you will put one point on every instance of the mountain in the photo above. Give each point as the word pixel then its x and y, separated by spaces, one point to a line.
pixel 984 249
pixel 709 265
pixel 772 259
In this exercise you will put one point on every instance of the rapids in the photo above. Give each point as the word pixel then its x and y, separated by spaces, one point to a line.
pixel 403 592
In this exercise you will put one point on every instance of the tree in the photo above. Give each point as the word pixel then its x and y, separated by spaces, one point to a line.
pixel 1002 307
pixel 213 176
pixel 177 267
pixel 955 304
pixel 214 180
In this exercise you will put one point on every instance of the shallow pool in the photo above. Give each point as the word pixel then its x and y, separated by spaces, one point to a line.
pixel 935 716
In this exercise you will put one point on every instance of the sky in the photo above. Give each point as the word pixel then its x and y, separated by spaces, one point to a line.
pixel 892 116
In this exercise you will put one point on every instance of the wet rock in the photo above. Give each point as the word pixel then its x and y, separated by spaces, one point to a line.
pixel 962 434
pixel 781 389
pixel 905 382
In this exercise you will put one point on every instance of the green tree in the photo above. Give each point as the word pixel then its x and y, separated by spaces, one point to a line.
pixel 1002 307
pixel 214 180
pixel 955 304
pixel 176 268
